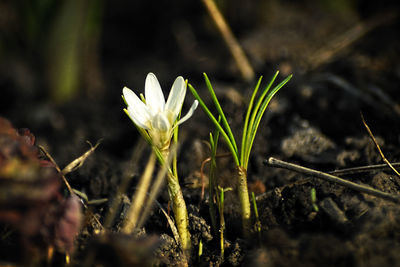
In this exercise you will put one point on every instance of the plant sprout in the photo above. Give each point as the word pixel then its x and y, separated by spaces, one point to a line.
pixel 221 200
pixel 212 186
pixel 255 111
pixel 314 204
pixel 257 225
pixel 157 121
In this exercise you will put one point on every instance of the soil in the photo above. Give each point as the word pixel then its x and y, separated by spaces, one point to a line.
pixel 314 121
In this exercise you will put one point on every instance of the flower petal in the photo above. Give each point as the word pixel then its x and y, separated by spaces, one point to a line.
pixel 189 114
pixel 160 122
pixel 154 96
pixel 140 121
pixel 137 110
pixel 175 98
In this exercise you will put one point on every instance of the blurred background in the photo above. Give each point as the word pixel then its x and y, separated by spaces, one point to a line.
pixel 63 63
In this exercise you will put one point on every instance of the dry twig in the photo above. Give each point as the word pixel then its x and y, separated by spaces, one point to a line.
pixel 331 178
pixel 203 184
pixel 343 41
pixel 58 169
pixel 126 178
pixel 378 147
pixel 70 189
pixel 362 169
pixel 243 64
pixel 139 196
pixel 78 162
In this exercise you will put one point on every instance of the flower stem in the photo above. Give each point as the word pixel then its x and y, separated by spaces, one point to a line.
pixel 179 208
pixel 244 200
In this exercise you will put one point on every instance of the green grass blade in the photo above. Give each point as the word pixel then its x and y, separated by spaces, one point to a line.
pixel 220 112
pixel 246 121
pixel 212 183
pixel 216 123
pixel 123 98
pixel 257 225
pixel 175 138
pixel 247 147
pixel 260 114
pixel 211 142
pixel 214 141
pixel 253 197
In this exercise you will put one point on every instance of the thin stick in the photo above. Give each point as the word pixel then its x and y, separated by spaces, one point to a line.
pixel 174 231
pixel 125 180
pixel 378 147
pixel 71 191
pixel 139 196
pixel 331 178
pixel 155 188
pixel 171 224
pixel 234 47
pixel 203 185
pixel 78 162
pixel 346 39
pixel 58 169
pixel 362 169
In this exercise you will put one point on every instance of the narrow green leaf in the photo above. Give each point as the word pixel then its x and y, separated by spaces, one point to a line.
pixel 247 147
pixel 253 197
pixel 123 98
pixel 221 199
pixel 216 123
pixel 260 114
pixel 220 112
pixel 175 138
pixel 211 141
pixel 216 138
pixel 142 98
pixel 211 187
pixel 246 121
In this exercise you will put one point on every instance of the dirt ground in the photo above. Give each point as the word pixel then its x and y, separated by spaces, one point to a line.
pixel 345 60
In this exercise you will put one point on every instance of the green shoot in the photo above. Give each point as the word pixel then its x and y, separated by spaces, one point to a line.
pixel 217 124
pixel 255 112
pixel 246 121
pixel 220 200
pixel 314 199
pixel 252 120
pixel 256 116
pixel 200 252
pixel 257 225
pixel 221 113
pixel 212 182
pixel 175 140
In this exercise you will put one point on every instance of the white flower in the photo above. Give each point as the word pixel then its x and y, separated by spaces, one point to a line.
pixel 155 115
